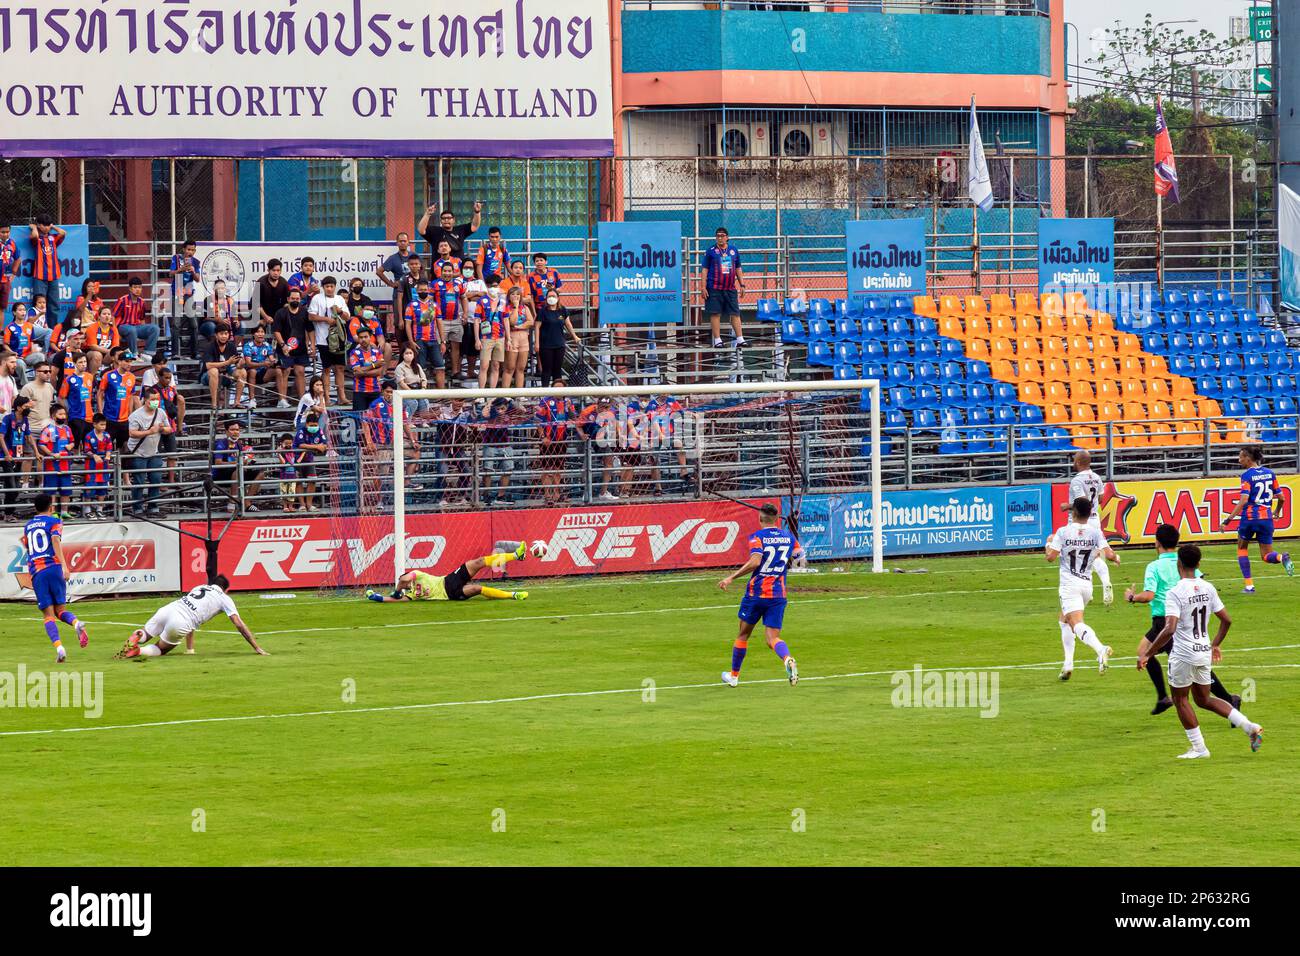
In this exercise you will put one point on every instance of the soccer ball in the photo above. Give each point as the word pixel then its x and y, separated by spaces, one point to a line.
pixel 538 548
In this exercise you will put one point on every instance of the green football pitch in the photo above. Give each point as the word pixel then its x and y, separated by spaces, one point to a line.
pixel 588 725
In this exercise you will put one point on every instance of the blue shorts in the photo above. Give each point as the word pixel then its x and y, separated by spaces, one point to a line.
pixel 51 590
pixel 720 301
pixel 58 482
pixel 770 610
pixel 1259 529
pixel 430 355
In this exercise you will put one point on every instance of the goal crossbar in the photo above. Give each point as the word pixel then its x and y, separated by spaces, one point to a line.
pixel 871 386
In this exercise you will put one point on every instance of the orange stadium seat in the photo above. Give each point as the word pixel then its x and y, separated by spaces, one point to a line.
pixel 1027 303
pixel 1002 348
pixel 977 349
pixel 1135 412
pixel 1109 412
pixel 1076 304
pixel 1086 437
pixel 1103 322
pixel 1081 390
pixel 949 305
pixel 1002 325
pixel 1130 366
pixel 1103 345
pixel 1077 325
pixel 1027 347
pixel 1027 325
pixel 924 305
pixel 1078 345
pixel 1053 325
pixel 1183 387
pixel 1108 391
pixel 950 326
pixel 1158 388
pixel 1134 435
pixel 1129 344
pixel 976 305
pixel 1134 389
pixel 1055 393
pixel 1000 304
pixel 1106 367
pixel 1030 393
pixel 1056 415
pixel 1053 347
pixel 1003 370
pixel 1056 370
pixel 1050 304
pixel 1155 365
pixel 977 327
pixel 1080 367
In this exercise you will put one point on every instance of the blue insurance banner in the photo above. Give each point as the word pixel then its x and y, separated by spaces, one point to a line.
pixel 885 257
pixel 640 268
pixel 931 521
pixel 74 264
pixel 1075 253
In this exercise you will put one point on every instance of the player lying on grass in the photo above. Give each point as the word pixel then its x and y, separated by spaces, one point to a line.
pixel 1078 545
pixel 771 548
pixel 1260 494
pixel 457 586
pixel 181 618
pixel 43 542
pixel 1188 607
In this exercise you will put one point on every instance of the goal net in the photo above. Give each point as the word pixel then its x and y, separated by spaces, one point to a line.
pixel 609 479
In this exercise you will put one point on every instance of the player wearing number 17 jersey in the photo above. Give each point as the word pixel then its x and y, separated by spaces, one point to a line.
pixel 1259 496
pixel 1086 483
pixel 771 549
pixel 1078 545
pixel 1188 607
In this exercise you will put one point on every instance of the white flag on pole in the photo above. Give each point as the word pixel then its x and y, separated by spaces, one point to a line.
pixel 979 186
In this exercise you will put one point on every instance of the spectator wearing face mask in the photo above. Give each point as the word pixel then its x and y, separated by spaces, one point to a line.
pixel 147 425
pixel 553 327
pixel 308 442
pixel 490 331
pixel 358 301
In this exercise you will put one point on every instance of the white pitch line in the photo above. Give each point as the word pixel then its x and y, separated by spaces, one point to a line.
pixel 396 708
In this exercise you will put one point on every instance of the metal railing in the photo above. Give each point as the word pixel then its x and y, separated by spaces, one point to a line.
pixel 461 466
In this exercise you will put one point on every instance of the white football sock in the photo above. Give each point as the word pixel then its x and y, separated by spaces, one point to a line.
pixel 1089 637
pixel 1067 642
pixel 151 650
pixel 1103 572
pixel 1238 719
pixel 1195 739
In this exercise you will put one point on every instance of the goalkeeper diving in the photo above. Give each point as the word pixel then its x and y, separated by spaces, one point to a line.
pixel 457 586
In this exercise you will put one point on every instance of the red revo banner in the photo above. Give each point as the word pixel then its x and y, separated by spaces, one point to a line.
pixel 355 552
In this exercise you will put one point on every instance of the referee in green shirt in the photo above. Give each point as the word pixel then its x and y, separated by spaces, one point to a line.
pixel 1161 575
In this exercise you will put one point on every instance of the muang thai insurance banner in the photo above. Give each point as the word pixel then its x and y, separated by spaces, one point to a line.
pixel 253 78
pixel 1132 510
pixel 640 269
pixel 885 257
pixel 106 557
pixel 1075 253
pixel 930 521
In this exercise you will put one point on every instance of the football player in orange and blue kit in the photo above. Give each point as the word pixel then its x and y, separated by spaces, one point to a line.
pixel 771 549
pixel 43 540
pixel 1259 493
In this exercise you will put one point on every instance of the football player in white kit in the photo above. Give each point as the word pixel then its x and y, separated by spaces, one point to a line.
pixel 180 619
pixel 1086 483
pixel 1078 545
pixel 1188 607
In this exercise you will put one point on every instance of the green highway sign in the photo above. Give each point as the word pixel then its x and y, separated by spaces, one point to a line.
pixel 1263 79
pixel 1261 24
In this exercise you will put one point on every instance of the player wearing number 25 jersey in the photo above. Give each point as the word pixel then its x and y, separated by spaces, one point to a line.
pixel 771 548
pixel 1260 494
pixel 1078 545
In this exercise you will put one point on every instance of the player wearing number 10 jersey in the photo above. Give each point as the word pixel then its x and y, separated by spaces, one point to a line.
pixel 43 540
pixel 771 548
pixel 1078 545
pixel 1188 607
pixel 1259 497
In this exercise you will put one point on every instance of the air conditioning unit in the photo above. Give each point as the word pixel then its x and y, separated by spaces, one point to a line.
pixel 740 140
pixel 804 140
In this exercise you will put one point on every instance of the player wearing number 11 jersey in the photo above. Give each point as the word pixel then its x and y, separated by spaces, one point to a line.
pixel 1078 545
pixel 1188 607
pixel 771 549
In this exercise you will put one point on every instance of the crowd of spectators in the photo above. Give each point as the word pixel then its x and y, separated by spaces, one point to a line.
pixel 86 391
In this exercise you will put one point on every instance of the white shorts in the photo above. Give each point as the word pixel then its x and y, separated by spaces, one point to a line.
pixel 1183 673
pixel 1075 595
pixel 169 625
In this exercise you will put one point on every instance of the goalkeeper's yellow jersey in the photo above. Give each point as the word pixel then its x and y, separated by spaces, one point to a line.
pixel 427 587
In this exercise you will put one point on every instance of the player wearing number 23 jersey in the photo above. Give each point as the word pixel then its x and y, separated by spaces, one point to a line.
pixel 771 548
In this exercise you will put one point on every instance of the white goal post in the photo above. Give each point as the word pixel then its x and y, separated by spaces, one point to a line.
pixel 871 386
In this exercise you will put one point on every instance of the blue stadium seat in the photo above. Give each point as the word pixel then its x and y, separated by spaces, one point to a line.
pixel 1147 321
pixel 845 372
pixel 1198 299
pixel 1223 300
pixel 1004 393
pixel 1146 299
pixel 1208 385
pixel 821 353
pixel 846 327
pixel 927 350
pixel 950 442
pixel 1173 300
pixel 925 326
pixel 1207 365
pixel 950 415
pixel 1254 364
pixel 1202 342
pixel 820 327
pixel 926 373
pixel 899 351
pixel 795 306
pixel 900 305
pixel 1179 343
pixel 1030 415
pixel 769 310
pixel 1057 438
pixel 925 396
pixel 1202 322
pixel 843 308
pixel 1004 415
pixel 1284 405
pixel 1282 384
pixel 873 350
pixel 821 309
pixel 1226 340
pixel 1224 320
pixel 874 327
pixel 951 348
pixel 874 370
pixel 1259 407
pixel 900 327
pixel 1232 387
pixel 1275 339
pixel 1251 340
pixel 886 445
pixel 978 371
pixel 792 330
pixel 848 353
pixel 926 419
pixel 895 420
pixel 1234 407
pixel 1031 439
pixel 952 372
pixel 979 416
pixel 952 394
pixel 873 305
pixel 978 395
pixel 1230 363
pixel 900 373
pixel 1154 342
pixel 978 442
pixel 1248 319
pixel 1183 365
pixel 1258 385
pixel 1176 322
